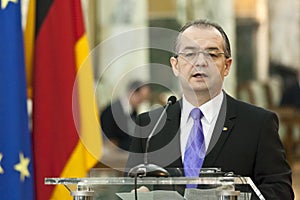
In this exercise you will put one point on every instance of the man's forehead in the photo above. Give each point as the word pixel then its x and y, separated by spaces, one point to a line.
pixel 199 38
pixel 201 33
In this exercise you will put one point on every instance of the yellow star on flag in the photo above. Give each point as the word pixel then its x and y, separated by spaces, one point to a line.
pixel 4 3
pixel 1 169
pixel 22 167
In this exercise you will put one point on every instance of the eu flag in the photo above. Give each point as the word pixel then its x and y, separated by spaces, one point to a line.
pixel 16 177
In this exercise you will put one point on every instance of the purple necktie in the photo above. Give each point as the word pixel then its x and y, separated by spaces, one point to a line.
pixel 195 148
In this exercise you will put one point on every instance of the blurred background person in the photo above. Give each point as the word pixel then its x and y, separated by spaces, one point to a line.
pixel 117 119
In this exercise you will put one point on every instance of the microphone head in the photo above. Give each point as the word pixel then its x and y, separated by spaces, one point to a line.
pixel 172 100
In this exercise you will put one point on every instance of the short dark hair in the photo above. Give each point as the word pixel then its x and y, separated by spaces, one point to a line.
pixel 135 85
pixel 204 23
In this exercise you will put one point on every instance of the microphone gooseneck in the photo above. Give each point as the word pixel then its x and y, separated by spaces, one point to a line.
pixel 171 100
pixel 147 169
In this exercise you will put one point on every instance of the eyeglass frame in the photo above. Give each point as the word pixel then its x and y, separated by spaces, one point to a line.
pixel 207 53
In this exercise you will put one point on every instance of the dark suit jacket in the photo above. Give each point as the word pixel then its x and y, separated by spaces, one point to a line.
pixel 248 146
pixel 114 124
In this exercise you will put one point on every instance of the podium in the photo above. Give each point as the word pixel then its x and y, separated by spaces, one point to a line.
pixel 103 184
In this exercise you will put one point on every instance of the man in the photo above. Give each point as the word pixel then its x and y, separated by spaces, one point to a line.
pixel 117 119
pixel 238 137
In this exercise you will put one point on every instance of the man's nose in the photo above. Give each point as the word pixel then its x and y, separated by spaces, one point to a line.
pixel 201 60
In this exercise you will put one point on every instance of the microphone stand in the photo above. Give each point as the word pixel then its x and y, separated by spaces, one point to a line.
pixel 146 169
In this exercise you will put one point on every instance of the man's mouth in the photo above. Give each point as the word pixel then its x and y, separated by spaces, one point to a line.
pixel 199 75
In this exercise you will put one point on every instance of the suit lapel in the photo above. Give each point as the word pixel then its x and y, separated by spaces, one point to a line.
pixel 221 133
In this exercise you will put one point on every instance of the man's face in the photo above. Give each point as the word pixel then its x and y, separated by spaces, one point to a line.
pixel 201 65
pixel 137 97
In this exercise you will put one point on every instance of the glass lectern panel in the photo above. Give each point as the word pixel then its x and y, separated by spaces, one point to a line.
pixel 109 184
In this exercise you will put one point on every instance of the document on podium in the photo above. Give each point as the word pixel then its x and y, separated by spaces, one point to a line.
pixel 213 194
pixel 156 194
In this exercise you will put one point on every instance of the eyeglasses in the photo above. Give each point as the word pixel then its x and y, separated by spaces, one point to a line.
pixel 191 56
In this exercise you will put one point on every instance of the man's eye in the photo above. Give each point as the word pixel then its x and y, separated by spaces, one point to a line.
pixel 190 54
pixel 213 55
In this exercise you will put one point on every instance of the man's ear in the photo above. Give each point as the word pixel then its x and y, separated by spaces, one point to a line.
pixel 174 64
pixel 228 62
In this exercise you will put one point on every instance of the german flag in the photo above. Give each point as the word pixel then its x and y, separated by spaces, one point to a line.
pixel 66 132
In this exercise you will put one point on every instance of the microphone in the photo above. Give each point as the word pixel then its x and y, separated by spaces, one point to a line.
pixel 146 169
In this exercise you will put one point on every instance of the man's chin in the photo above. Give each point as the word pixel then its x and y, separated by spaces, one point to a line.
pixel 199 89
pixel 212 92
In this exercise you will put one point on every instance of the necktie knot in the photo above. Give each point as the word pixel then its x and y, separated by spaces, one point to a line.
pixel 196 114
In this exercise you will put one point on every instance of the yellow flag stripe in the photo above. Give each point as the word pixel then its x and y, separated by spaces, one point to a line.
pixel 29 44
pixel 90 125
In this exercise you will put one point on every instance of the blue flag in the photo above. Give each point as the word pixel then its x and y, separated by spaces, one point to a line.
pixel 16 177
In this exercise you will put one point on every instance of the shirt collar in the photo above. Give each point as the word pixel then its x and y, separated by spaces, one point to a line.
pixel 210 109
pixel 125 104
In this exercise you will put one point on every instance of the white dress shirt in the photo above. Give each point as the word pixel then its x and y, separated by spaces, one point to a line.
pixel 210 112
